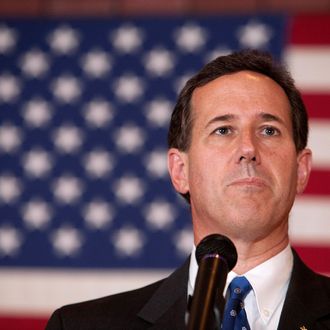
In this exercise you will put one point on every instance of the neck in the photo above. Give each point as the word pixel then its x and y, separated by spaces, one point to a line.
pixel 253 251
pixel 252 254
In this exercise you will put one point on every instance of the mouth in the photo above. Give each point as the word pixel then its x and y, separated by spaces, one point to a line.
pixel 249 182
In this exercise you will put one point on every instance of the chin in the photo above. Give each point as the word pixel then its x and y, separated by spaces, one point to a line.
pixel 249 226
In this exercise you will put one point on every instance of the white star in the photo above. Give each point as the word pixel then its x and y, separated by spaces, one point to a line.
pixel 37 162
pixel 128 241
pixel 8 38
pixel 160 214
pixel 158 112
pixel 128 88
pixel 129 189
pixel 66 88
pixel 64 40
pixel 37 112
pixel 156 163
pixel 254 35
pixel 96 63
pixel 10 137
pixel 36 214
pixel 34 63
pixel 10 188
pixel 98 113
pixel 181 81
pixel 98 163
pixel 159 62
pixel 67 241
pixel 190 37
pixel 127 38
pixel 10 240
pixel 98 214
pixel 183 240
pixel 67 189
pixel 129 138
pixel 220 51
pixel 10 87
pixel 68 138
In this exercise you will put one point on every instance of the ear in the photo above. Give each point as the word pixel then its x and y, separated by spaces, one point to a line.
pixel 304 159
pixel 178 169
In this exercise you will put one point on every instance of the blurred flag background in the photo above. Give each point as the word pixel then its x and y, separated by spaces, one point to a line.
pixel 86 206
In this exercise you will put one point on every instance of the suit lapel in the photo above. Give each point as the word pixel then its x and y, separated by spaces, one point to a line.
pixel 306 301
pixel 166 308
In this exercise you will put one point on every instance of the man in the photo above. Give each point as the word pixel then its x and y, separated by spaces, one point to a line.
pixel 237 153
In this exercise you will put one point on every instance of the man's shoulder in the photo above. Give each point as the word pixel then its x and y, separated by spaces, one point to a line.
pixel 308 299
pixel 324 282
pixel 307 275
pixel 134 297
pixel 303 275
pixel 120 308
pixel 163 301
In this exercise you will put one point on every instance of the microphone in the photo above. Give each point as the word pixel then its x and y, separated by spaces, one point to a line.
pixel 216 256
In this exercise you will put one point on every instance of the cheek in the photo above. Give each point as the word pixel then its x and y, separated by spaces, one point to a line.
pixel 285 171
pixel 202 170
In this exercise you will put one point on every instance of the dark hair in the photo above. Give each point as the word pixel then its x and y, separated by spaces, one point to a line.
pixel 179 134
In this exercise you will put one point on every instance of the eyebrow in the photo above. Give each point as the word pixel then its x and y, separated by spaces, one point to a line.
pixel 270 117
pixel 229 117
pixel 226 117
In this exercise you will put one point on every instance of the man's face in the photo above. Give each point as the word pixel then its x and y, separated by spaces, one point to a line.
pixel 242 169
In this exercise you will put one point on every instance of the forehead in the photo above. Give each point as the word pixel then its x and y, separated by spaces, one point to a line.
pixel 243 93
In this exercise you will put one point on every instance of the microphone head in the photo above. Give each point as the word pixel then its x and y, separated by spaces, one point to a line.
pixel 217 244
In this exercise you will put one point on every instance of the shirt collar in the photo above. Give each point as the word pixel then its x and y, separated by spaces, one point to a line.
pixel 193 269
pixel 269 280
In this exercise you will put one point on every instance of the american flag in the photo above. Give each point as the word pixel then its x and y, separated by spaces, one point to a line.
pixel 86 205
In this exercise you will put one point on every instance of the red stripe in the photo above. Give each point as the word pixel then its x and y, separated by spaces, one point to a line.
pixel 310 30
pixel 317 258
pixel 21 322
pixel 318 105
pixel 319 183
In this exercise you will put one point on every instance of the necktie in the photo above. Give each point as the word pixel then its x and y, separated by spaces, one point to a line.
pixel 234 317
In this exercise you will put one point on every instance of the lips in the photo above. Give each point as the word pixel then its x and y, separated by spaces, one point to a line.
pixel 250 181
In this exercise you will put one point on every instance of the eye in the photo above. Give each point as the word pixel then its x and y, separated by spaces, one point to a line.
pixel 270 131
pixel 225 130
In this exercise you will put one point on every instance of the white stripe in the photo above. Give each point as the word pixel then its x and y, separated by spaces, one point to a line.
pixel 319 142
pixel 39 292
pixel 310 221
pixel 310 67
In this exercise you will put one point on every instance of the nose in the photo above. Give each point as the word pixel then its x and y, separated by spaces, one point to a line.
pixel 247 150
pixel 253 159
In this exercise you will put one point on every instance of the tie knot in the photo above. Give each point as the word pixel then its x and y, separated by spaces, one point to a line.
pixel 239 287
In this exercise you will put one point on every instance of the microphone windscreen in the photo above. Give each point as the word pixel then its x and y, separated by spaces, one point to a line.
pixel 217 244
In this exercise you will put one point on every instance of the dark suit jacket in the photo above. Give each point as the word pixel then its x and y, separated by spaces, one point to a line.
pixel 162 305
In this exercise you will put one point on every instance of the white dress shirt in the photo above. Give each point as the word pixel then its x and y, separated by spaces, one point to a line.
pixel 269 281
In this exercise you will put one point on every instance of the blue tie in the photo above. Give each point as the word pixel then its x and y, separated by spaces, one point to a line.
pixel 234 317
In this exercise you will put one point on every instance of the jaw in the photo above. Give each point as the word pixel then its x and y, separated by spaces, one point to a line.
pixel 245 219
